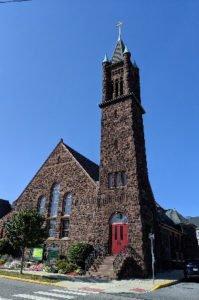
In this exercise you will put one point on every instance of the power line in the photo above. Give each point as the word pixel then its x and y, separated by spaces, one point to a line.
pixel 9 1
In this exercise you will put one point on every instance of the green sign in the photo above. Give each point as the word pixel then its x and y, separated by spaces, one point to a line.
pixel 53 254
pixel 38 254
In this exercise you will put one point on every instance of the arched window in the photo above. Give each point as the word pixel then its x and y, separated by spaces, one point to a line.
pixel 41 205
pixel 118 218
pixel 67 205
pixel 121 86
pixel 67 209
pixel 54 200
pixel 116 88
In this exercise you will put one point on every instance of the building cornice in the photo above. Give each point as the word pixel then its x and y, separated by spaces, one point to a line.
pixel 122 99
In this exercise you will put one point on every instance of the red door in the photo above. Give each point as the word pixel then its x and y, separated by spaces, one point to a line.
pixel 119 237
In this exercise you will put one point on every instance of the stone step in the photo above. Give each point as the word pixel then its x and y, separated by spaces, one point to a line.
pixel 105 270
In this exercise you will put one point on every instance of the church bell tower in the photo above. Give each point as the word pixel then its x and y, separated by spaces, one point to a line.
pixel 125 198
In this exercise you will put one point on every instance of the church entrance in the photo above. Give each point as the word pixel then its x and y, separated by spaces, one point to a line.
pixel 118 233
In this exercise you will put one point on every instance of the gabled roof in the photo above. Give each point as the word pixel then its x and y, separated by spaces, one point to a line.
pixel 162 217
pixel 89 166
pixel 176 217
pixel 118 52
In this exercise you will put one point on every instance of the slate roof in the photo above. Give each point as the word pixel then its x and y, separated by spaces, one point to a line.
pixel 194 220
pixel 176 217
pixel 89 166
pixel 162 216
pixel 171 217
pixel 118 52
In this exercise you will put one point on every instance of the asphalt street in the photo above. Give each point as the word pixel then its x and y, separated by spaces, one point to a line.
pixel 187 290
pixel 13 289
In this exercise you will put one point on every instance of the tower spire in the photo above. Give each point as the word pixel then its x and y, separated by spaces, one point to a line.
pixel 119 26
pixel 119 49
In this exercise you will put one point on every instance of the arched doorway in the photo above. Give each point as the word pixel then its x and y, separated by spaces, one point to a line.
pixel 118 232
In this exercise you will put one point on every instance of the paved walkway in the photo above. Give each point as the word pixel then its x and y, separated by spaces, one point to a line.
pixel 113 286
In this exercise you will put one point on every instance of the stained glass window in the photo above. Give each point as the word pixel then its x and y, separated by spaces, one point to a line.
pixel 52 228
pixel 111 180
pixel 119 218
pixel 41 205
pixel 67 207
pixel 55 200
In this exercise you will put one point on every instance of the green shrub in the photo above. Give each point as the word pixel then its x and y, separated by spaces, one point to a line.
pixel 64 266
pixel 50 269
pixel 2 261
pixel 69 267
pixel 77 254
pixel 61 264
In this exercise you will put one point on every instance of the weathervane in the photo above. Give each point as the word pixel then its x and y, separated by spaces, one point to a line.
pixel 119 25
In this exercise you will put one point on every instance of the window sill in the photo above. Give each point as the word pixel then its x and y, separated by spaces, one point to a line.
pixel 117 187
pixel 52 239
pixel 65 239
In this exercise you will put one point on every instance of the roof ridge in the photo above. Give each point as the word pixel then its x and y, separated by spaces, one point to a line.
pixel 88 165
pixel 73 150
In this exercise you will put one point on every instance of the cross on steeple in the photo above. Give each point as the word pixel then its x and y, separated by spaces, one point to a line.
pixel 119 25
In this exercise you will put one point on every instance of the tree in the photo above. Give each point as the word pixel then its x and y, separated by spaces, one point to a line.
pixel 25 230
pixel 7 248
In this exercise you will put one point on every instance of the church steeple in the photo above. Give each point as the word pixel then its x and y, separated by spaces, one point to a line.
pixel 123 183
pixel 120 75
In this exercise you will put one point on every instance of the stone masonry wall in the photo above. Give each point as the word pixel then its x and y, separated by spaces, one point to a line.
pixel 62 168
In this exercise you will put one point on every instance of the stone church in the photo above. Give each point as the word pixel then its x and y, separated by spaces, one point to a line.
pixel 112 204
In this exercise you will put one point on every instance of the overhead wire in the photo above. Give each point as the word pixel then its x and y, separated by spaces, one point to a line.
pixel 9 1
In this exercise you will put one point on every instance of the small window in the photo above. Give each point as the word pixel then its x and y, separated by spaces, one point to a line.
pixel 124 178
pixel 67 207
pixel 116 144
pixel 52 228
pixel 41 205
pixel 111 180
pixel 111 90
pixel 116 88
pixel 121 86
pixel 118 179
pixel 65 228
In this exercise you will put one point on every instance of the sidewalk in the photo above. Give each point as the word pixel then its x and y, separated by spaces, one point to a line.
pixel 113 286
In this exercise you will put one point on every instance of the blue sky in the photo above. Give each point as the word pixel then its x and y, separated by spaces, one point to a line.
pixel 50 86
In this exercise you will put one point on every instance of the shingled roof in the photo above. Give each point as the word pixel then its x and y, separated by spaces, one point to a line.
pixel 194 220
pixel 162 216
pixel 176 217
pixel 89 166
pixel 118 52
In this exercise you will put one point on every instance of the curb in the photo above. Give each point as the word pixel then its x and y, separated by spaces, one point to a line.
pixel 164 284
pixel 28 280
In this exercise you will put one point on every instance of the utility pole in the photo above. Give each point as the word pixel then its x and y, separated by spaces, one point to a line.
pixel 152 238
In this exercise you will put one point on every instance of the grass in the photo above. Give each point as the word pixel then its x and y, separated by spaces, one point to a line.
pixel 28 276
